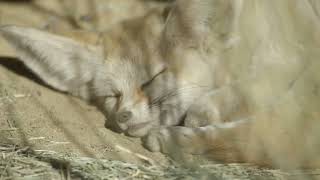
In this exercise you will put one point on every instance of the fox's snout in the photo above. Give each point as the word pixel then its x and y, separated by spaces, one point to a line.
pixel 133 116
pixel 123 117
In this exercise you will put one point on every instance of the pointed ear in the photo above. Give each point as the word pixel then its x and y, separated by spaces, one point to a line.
pixel 190 21
pixel 64 64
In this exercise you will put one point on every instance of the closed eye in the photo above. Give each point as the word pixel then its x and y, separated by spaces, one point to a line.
pixel 144 85
pixel 113 101
pixel 112 96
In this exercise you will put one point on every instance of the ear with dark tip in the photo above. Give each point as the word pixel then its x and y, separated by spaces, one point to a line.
pixel 190 21
pixel 166 12
pixel 64 64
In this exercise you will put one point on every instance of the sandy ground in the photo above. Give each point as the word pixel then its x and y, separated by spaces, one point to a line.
pixel 34 115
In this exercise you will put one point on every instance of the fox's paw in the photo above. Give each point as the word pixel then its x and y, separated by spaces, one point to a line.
pixel 200 140
pixel 152 140
pixel 169 140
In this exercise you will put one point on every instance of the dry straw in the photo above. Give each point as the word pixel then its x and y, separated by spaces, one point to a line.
pixel 24 163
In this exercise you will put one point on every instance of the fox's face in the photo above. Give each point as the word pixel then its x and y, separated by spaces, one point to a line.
pixel 136 87
pixel 125 74
pixel 132 102
pixel 139 73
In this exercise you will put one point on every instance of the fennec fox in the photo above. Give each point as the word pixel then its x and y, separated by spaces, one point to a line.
pixel 232 79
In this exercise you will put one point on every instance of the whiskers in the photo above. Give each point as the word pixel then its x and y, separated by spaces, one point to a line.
pixel 175 96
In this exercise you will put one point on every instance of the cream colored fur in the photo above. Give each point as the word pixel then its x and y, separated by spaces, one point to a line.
pixel 236 80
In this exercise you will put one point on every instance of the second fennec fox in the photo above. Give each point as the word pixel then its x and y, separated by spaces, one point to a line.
pixel 236 80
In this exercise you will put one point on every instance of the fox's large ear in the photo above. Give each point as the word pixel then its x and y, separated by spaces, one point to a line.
pixel 63 63
pixel 190 21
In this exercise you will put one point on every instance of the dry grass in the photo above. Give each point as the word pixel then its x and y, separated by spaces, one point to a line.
pixel 24 163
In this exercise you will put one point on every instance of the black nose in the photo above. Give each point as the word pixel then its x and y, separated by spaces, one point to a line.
pixel 124 116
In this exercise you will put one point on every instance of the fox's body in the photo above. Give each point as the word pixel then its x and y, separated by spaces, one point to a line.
pixel 206 80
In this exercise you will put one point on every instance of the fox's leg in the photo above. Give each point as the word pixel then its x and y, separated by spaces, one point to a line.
pixel 229 142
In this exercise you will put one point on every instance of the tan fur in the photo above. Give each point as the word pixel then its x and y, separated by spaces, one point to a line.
pixel 235 80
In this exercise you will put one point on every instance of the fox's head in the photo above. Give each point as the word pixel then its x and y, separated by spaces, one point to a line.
pixel 132 73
